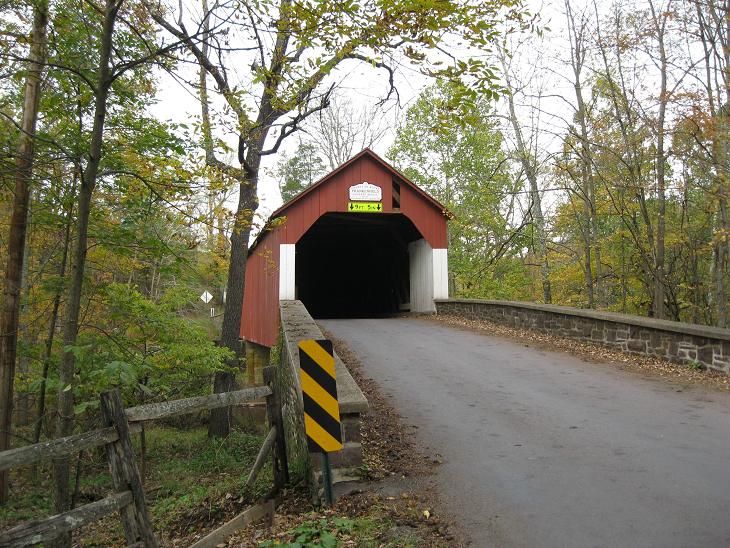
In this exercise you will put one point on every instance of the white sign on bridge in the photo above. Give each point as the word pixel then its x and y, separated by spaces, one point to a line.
pixel 365 192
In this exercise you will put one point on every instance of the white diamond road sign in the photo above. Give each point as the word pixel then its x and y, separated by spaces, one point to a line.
pixel 206 297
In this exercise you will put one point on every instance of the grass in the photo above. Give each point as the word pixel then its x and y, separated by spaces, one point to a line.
pixel 25 505
pixel 191 482
pixel 364 532
pixel 203 473
pixel 367 530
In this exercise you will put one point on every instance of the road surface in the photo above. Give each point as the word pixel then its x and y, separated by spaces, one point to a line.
pixel 543 449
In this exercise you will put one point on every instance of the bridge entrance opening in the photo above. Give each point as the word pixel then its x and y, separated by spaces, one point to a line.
pixel 355 265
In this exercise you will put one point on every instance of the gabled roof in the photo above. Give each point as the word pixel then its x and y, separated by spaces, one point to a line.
pixel 370 154
pixel 324 180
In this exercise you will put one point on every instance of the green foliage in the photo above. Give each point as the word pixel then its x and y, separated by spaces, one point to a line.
pixel 697 366
pixel 626 207
pixel 144 347
pixel 198 470
pixel 144 268
pixel 298 172
pixel 462 164
pixel 186 468
pixel 321 533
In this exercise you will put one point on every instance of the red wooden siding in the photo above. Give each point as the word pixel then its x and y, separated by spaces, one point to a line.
pixel 429 220
pixel 260 319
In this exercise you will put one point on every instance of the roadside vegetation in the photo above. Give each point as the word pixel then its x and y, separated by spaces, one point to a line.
pixel 603 183
pixel 395 505
pixel 192 483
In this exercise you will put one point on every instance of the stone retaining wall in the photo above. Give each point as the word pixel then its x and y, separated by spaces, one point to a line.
pixel 297 325
pixel 679 342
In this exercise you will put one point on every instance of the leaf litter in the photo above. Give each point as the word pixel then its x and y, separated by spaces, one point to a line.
pixel 398 504
pixel 650 366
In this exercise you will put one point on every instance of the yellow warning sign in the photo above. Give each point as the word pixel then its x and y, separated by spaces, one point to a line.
pixel 319 391
pixel 365 207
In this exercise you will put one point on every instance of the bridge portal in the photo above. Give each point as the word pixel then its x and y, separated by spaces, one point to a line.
pixel 364 241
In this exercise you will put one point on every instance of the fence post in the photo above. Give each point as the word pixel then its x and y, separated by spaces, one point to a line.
pixel 273 412
pixel 124 472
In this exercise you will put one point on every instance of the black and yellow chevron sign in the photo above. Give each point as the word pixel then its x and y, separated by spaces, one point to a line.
pixel 319 390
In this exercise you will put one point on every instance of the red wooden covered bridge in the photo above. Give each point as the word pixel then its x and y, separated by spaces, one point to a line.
pixel 363 241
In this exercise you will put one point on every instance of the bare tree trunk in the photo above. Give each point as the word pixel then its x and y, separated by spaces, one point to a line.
pixel 73 305
pixel 723 243
pixel 220 419
pixel 722 226
pixel 52 327
pixel 252 138
pixel 714 33
pixel 659 23
pixel 219 423
pixel 18 228
pixel 22 413
pixel 632 185
pixel 723 264
pixel 529 166
pixel 592 251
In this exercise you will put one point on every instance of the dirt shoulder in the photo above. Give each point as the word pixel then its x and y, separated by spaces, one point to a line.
pixel 596 353
pixel 395 505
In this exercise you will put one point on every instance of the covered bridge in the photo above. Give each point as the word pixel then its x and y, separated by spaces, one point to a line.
pixel 362 241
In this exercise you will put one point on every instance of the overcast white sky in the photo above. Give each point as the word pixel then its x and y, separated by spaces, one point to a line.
pixel 363 85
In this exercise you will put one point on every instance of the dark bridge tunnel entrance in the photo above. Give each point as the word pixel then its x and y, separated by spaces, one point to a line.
pixel 355 265
pixel 362 241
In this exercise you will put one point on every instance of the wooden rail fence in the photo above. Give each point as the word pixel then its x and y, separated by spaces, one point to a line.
pixel 129 496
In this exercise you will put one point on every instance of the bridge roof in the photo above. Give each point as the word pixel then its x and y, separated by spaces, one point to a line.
pixel 388 167
pixel 299 208
pixel 325 217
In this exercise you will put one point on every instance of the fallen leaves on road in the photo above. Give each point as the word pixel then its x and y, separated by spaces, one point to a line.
pixel 389 447
pixel 595 352
pixel 391 454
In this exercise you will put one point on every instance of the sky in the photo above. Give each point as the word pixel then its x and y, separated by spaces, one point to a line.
pixel 363 86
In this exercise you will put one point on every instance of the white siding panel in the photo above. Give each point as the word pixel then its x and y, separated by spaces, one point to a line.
pixel 421 260
pixel 440 274
pixel 287 265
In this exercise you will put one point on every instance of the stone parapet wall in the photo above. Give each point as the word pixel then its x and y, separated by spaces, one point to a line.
pixel 297 325
pixel 286 379
pixel 689 344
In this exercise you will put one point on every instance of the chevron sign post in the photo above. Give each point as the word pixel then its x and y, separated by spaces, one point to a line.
pixel 321 408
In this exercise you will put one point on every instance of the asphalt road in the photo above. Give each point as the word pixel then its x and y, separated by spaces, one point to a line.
pixel 543 449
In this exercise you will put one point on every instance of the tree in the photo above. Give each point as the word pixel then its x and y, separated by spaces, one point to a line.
pixel 101 67
pixel 710 26
pixel 73 307
pixel 294 50
pixel 300 171
pixel 525 151
pixel 340 131
pixel 463 165
pixel 659 20
pixel 577 34
pixel 9 321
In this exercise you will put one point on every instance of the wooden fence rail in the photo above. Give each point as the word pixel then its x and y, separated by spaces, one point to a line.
pixel 45 530
pixel 59 447
pixel 129 498
pixel 168 409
